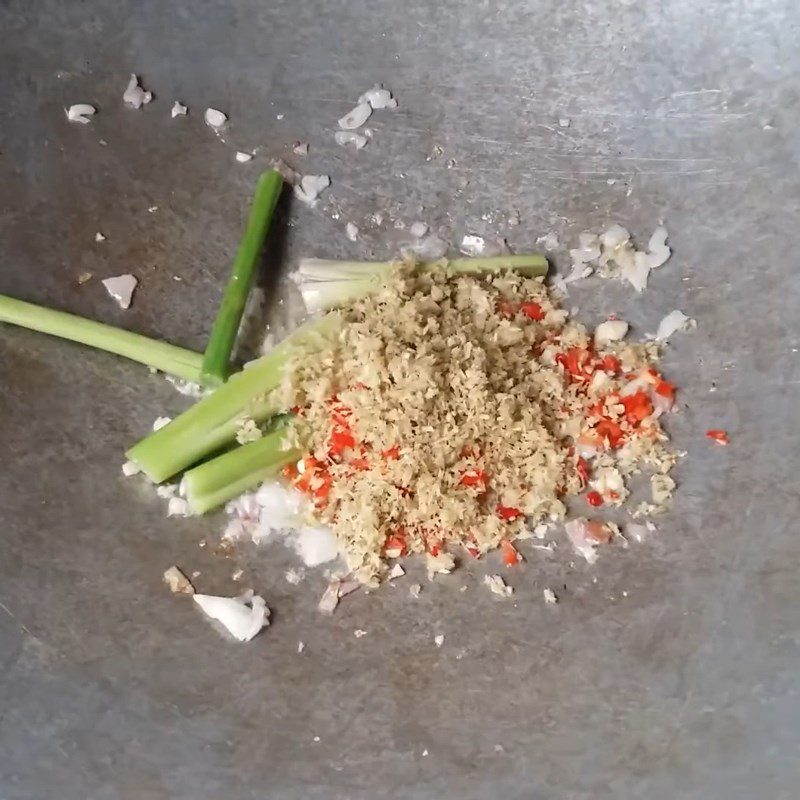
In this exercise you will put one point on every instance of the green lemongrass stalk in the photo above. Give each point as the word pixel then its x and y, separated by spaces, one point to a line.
pixel 216 361
pixel 161 356
pixel 227 476
pixel 214 421
pixel 327 284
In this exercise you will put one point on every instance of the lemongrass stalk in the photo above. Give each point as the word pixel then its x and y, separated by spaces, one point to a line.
pixel 159 355
pixel 328 284
pixel 213 422
pixel 227 476
pixel 216 361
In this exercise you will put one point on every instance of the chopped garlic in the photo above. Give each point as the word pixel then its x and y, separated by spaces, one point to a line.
pixel 161 422
pixel 612 330
pixel 343 138
pixel 134 95
pixel 359 633
pixel 351 231
pixel 549 596
pixel 443 564
pixel 310 187
pixel 294 576
pixel 498 586
pixel 378 98
pixel 80 112
pixel 130 468
pixel 356 118
pixel 396 571
pixel 438 639
pixel 300 149
pixel 418 230
pixel 248 431
pixel 472 245
pixel 214 118
pixel 98 237
pixel 243 157
pixel 178 507
pixel 178 110
pixel 414 590
pixel 121 288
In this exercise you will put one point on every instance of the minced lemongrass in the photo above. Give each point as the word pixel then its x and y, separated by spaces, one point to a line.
pixel 214 421
pixel 161 356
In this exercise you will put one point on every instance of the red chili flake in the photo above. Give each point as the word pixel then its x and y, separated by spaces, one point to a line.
pixel 665 389
pixel 392 454
pixel 637 407
pixel 341 440
pixel 594 499
pixel 608 429
pixel 583 470
pixel 507 513
pixel 474 477
pixel 396 542
pixel 611 364
pixel 533 311
pixel 290 472
pixel 718 435
pixel 510 554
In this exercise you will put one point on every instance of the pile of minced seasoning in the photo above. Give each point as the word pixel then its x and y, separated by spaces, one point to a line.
pixel 455 413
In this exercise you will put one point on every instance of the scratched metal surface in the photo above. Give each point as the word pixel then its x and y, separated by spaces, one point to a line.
pixel 668 670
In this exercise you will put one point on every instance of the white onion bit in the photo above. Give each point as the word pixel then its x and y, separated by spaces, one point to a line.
pixel 134 95
pixel 80 112
pixel 243 157
pixel 612 330
pixel 378 98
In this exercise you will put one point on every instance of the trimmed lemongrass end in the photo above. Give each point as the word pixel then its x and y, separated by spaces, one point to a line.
pixel 212 423
pixel 227 476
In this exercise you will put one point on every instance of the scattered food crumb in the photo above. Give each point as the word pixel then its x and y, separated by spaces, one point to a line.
pixel 316 738
pixel 80 112
pixel 152 209
pixel 439 639
pixel 161 422
pixel 424 753
pixel 418 230
pixel 178 110
pixel 549 240
pixel 463 588
pixel 330 598
pixel 178 583
pixel 414 590
pixel 121 288
pixel 134 95
pixel 301 646
pixel 98 237
pixel 84 277
pixel 351 231
pixel 243 157
pixel 674 321
pixel 498 586
pixel 550 596
pixel 564 122
pixel 358 633
pixel 472 245
pixel 202 543
pixel 214 118
pixel 167 490
pixel 300 148
pixel 237 574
